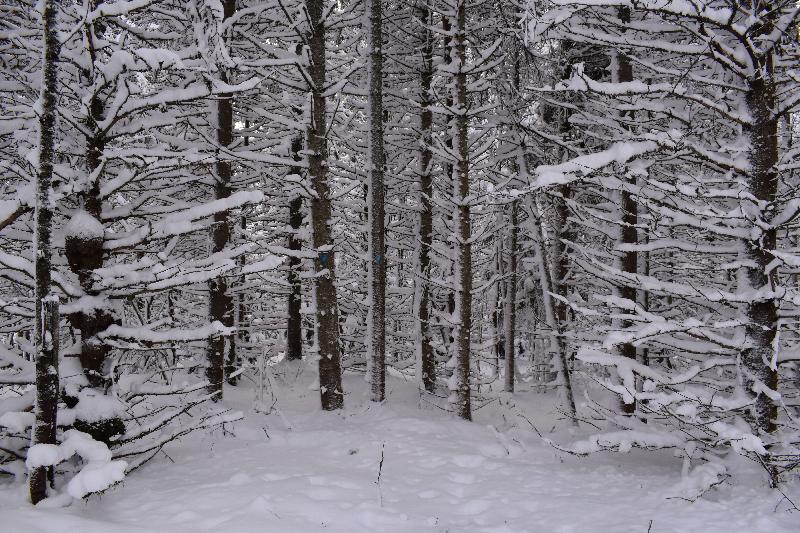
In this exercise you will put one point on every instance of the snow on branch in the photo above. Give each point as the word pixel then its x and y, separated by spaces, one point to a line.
pixel 10 211
pixel 117 9
pixel 14 369
pixel 144 334
pixel 184 221
pixel 99 471
pixel 585 165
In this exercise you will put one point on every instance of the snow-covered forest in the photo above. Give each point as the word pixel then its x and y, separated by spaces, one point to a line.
pixel 399 265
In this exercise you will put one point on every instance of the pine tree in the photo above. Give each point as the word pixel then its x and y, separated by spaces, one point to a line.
pixel 46 319
pixel 426 355
pixel 376 327
pixel 698 166
pixel 221 357
pixel 326 305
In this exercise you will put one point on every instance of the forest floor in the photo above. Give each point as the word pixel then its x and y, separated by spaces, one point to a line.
pixel 300 470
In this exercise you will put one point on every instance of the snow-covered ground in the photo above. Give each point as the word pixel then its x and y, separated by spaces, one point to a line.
pixel 300 470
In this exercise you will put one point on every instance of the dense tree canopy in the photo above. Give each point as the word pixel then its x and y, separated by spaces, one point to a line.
pixel 599 196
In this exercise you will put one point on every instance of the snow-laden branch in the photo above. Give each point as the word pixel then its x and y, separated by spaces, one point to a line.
pixel 147 335
pixel 98 472
pixel 586 165
pixel 183 221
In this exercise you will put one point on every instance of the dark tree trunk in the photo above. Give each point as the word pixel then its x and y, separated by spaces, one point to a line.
pixel 84 251
pixel 758 366
pixel 561 260
pixel 294 326
pixel 498 300
pixel 327 312
pixel 428 362
pixel 242 337
pixel 510 313
pixel 449 173
pixel 46 306
pixel 83 247
pixel 463 278
pixel 376 325
pixel 221 356
pixel 629 212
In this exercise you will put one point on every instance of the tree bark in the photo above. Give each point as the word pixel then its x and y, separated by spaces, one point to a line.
pixel 759 368
pixel 83 243
pixel 46 306
pixel 558 345
pixel 294 326
pixel 376 324
pixel 510 312
pixel 449 171
pixel 327 312
pixel 556 333
pixel 629 211
pixel 463 263
pixel 221 356
pixel 85 252
pixel 240 306
pixel 426 353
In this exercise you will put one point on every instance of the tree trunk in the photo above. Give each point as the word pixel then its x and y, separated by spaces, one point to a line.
pixel 759 366
pixel 510 312
pixel 629 218
pixel 294 326
pixel 240 317
pixel 560 252
pixel 463 263
pixel 46 306
pixel 498 298
pixel 426 353
pixel 556 333
pixel 643 295
pixel 221 357
pixel 84 250
pixel 376 323
pixel 327 312
pixel 448 332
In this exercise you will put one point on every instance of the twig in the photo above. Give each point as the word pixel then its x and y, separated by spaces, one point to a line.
pixel 378 481
pixel 785 497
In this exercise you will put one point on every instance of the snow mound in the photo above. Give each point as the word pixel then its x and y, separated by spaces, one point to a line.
pixel 99 471
pixel 83 226
pixel 16 421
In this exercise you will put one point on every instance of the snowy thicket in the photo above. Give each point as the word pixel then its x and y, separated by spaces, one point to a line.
pixel 686 177
pixel 469 195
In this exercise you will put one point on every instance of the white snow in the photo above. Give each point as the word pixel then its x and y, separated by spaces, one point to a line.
pixel 271 262
pixel 98 472
pixel 16 421
pixel 587 164
pixel 92 406
pixel 298 470
pixel 83 225
pixel 44 455
pixel 144 334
